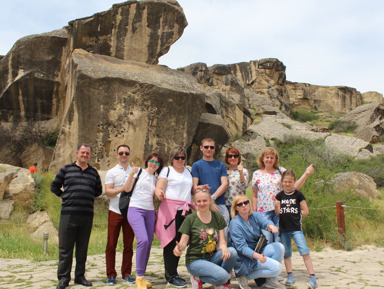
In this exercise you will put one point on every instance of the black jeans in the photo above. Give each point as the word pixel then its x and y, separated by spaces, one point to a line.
pixel 73 229
pixel 171 262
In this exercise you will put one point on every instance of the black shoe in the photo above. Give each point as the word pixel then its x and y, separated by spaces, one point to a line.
pixel 83 281
pixel 62 285
pixel 177 282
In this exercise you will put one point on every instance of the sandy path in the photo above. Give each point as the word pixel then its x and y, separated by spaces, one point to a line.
pixel 360 268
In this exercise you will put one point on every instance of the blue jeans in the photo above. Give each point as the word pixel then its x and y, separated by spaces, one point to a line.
pixel 271 215
pixel 272 267
pixel 299 239
pixel 213 270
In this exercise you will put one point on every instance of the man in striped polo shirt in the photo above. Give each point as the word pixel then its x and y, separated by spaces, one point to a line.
pixel 77 184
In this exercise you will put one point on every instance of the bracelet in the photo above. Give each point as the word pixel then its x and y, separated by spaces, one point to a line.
pixel 131 173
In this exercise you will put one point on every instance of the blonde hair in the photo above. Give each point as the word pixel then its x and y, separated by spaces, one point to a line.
pixel 268 151
pixel 235 202
pixel 212 205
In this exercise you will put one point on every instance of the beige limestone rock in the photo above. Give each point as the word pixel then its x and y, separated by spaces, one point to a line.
pixel 17 185
pixel 133 30
pixel 112 101
pixel 339 99
pixel 373 96
pixel 41 224
pixel 358 183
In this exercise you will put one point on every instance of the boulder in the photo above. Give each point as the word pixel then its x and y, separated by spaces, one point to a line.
pixel 339 99
pixel 275 124
pixel 112 101
pixel 133 30
pixel 370 121
pixel 6 208
pixel 41 224
pixel 16 185
pixel 349 145
pixel 358 183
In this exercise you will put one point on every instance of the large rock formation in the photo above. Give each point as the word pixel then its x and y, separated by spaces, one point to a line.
pixel 370 121
pixel 372 96
pixel 339 99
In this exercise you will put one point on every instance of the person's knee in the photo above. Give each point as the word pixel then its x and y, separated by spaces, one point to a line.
pixel 233 252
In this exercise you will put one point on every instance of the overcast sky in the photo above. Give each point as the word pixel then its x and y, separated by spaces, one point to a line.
pixel 322 42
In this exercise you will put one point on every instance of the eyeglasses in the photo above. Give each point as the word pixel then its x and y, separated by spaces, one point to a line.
pixel 233 156
pixel 243 203
pixel 123 153
pixel 209 147
pixel 178 158
pixel 153 162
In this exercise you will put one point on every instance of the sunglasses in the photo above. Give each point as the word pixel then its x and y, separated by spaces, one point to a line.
pixel 242 204
pixel 123 153
pixel 233 156
pixel 209 147
pixel 153 162
pixel 202 190
pixel 178 158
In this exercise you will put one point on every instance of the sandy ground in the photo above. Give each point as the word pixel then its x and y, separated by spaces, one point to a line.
pixel 360 268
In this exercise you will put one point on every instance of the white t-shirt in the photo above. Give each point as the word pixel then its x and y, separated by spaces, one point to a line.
pixel 116 176
pixel 179 185
pixel 142 195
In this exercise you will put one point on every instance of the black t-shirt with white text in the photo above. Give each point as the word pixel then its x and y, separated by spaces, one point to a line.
pixel 290 211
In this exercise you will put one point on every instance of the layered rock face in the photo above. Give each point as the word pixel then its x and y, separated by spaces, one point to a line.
pixel 339 99
pixel 133 30
pixel 373 96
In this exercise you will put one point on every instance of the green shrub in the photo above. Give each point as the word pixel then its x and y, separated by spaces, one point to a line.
pixel 50 138
pixel 343 126
pixel 304 115
pixel 373 167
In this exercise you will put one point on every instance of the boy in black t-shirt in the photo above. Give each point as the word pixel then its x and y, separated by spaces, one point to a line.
pixel 291 207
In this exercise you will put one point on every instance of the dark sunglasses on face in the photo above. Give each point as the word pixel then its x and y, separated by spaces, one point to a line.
pixel 122 153
pixel 153 162
pixel 233 156
pixel 209 147
pixel 177 158
pixel 243 203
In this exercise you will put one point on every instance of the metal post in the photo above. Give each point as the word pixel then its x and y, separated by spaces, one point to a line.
pixel 45 237
pixel 340 218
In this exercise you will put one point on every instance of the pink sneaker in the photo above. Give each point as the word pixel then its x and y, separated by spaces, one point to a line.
pixel 196 284
pixel 223 286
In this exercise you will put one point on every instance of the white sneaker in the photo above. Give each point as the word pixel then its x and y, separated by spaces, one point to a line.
pixel 273 284
pixel 243 282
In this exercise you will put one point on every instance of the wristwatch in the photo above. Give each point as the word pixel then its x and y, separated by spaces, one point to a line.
pixel 214 197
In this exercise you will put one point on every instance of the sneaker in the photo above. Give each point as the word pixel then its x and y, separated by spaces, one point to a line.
pixel 289 281
pixel 223 286
pixel 177 282
pixel 140 283
pixel 312 284
pixel 111 281
pixel 243 282
pixel 196 284
pixel 129 279
pixel 273 283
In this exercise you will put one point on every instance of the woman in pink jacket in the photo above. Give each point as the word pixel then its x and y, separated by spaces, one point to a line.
pixel 174 189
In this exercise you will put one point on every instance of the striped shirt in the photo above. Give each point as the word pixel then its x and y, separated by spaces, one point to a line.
pixel 79 189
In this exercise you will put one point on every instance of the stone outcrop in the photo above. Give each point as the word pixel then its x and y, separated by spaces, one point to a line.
pixel 370 121
pixel 134 30
pixel 116 101
pixel 17 188
pixel 258 81
pixel 40 223
pixel 358 183
pixel 373 96
pixel 339 99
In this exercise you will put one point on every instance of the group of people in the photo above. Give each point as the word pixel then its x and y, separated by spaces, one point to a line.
pixel 219 230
